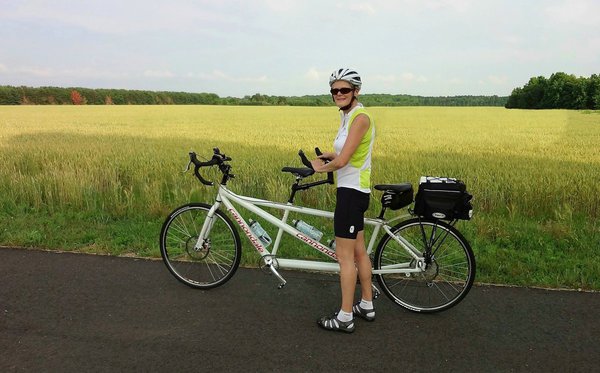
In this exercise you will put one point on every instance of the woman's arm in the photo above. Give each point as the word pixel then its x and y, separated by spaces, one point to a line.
pixel 358 129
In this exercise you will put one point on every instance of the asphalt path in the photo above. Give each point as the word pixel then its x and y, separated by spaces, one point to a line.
pixel 62 312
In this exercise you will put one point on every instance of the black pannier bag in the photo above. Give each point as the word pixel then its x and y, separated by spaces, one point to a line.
pixel 396 200
pixel 443 198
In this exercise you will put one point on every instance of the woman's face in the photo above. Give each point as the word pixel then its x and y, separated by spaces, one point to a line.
pixel 342 99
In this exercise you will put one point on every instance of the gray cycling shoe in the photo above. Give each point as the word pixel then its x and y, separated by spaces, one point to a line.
pixel 367 314
pixel 333 323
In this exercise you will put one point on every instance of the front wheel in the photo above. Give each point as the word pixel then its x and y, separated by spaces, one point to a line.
pixel 447 272
pixel 205 264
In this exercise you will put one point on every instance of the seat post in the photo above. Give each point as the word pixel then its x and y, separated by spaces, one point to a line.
pixel 383 208
pixel 294 190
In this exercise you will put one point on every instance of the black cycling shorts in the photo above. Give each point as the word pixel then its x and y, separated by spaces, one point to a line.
pixel 350 207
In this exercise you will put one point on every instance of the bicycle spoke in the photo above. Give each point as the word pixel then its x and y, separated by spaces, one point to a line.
pixel 447 276
pixel 209 265
pixel 441 291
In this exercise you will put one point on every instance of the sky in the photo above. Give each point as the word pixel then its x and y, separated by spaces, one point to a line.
pixel 289 48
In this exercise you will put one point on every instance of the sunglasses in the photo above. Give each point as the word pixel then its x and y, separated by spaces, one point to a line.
pixel 344 91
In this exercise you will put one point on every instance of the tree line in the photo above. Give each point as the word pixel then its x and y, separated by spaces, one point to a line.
pixel 560 91
pixel 10 95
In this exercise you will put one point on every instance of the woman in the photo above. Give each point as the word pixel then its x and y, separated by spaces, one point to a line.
pixel 352 161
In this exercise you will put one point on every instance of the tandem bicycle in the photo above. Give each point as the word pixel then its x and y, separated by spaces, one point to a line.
pixel 421 261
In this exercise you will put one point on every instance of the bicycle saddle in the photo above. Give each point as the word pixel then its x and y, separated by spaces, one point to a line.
pixel 301 171
pixel 403 187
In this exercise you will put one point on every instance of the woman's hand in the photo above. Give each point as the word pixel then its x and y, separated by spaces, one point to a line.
pixel 318 164
pixel 330 156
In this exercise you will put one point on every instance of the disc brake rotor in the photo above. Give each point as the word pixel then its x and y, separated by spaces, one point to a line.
pixel 431 271
pixel 197 254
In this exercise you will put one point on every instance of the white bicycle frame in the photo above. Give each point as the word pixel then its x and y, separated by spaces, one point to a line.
pixel 226 197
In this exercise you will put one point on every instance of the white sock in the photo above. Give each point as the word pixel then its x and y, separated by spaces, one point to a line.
pixel 344 316
pixel 365 304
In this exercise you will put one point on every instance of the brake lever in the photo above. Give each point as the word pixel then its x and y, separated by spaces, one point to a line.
pixel 330 179
pixel 188 167
pixel 320 153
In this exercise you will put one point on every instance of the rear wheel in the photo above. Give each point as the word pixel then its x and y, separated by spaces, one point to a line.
pixel 449 266
pixel 217 258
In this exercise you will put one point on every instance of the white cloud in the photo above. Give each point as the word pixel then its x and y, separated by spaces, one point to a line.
pixel 315 75
pixel 385 78
pixel 412 6
pixel 510 40
pixel 406 77
pixel 282 6
pixel 217 75
pixel 576 12
pixel 118 18
pixel 593 44
pixel 312 74
pixel 410 77
pixel 158 74
pixel 36 71
pixel 497 80
pixel 366 8
pixel 415 46
pixel 457 5
pixel 48 72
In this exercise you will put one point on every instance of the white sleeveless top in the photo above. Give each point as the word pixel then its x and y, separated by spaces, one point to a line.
pixel 357 173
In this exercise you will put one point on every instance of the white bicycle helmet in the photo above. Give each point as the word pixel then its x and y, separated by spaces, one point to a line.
pixel 347 75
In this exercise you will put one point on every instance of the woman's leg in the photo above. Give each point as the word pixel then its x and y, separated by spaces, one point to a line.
pixel 344 249
pixel 351 252
pixel 352 255
pixel 363 263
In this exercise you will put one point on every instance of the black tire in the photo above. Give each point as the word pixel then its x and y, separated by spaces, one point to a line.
pixel 215 262
pixel 448 276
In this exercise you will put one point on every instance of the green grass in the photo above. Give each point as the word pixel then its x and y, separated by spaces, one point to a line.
pixel 102 178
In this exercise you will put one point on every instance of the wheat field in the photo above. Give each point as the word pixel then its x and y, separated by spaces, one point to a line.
pixel 102 178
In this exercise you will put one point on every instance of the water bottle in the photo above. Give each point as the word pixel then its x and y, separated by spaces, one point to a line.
pixel 308 230
pixel 262 235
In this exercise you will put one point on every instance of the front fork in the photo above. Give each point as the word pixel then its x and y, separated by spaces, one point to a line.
pixel 206 227
pixel 269 262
